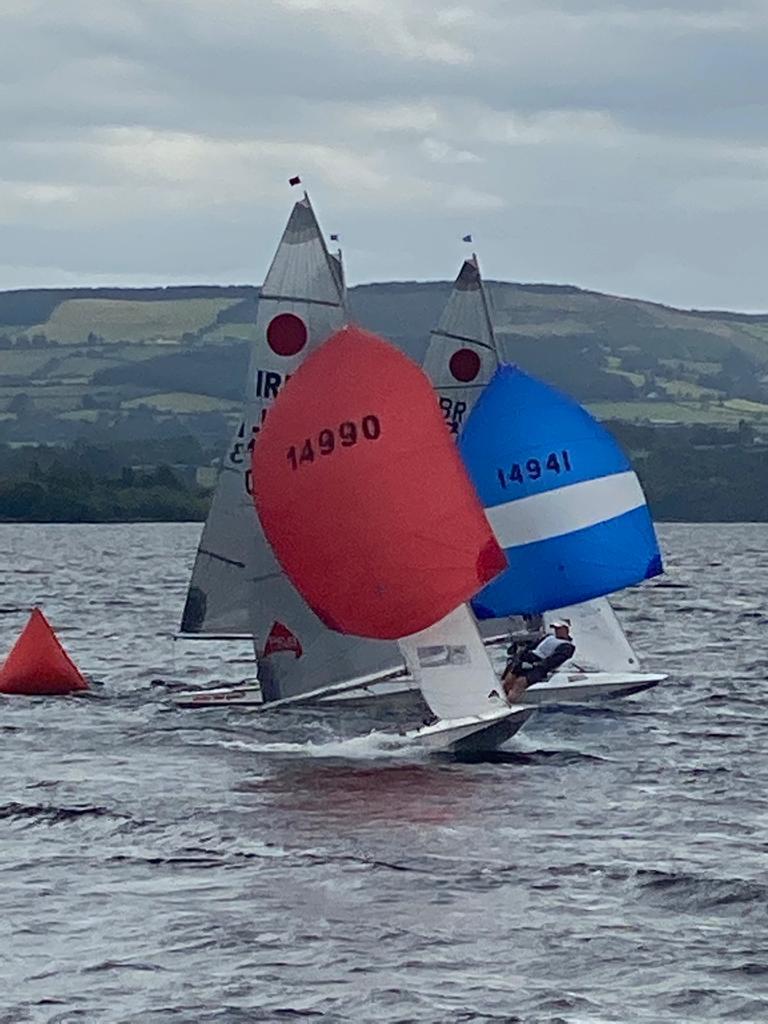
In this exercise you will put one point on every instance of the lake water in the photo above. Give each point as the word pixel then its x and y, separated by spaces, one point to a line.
pixel 221 866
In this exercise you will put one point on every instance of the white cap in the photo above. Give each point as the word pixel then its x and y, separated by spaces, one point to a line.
pixel 559 622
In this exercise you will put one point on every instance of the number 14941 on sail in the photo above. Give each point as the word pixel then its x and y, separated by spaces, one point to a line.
pixel 532 469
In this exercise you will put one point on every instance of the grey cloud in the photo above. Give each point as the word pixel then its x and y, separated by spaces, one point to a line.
pixel 619 146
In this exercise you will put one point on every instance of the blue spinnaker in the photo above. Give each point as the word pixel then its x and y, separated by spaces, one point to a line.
pixel 561 496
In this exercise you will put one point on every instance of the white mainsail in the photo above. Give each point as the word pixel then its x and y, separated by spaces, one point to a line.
pixel 462 354
pixel 601 644
pixel 451 665
pixel 237 587
pixel 300 304
pixel 337 264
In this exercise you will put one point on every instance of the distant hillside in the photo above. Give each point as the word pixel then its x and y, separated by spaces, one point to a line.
pixel 29 306
pixel 132 363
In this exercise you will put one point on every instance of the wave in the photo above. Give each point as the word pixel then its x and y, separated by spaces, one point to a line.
pixel 555 758
pixel 372 746
pixel 50 814
pixel 694 893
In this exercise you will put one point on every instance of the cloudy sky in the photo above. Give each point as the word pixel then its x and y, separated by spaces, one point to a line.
pixel 621 147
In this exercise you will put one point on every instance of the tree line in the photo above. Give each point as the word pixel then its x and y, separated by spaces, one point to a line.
pixel 693 473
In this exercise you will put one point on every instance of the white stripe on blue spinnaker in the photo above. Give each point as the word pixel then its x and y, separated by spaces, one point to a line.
pixel 569 568
pixel 565 510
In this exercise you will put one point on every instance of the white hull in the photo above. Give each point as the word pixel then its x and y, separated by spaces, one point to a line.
pixel 476 734
pixel 562 687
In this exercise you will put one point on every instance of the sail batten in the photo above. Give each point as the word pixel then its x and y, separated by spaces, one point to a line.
pixel 221 558
pixel 462 337
pixel 300 299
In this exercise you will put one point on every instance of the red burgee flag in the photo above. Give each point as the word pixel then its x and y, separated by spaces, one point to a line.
pixel 363 496
pixel 282 639
pixel 38 664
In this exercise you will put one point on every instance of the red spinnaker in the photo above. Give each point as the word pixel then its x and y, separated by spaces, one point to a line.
pixel 363 496
pixel 38 664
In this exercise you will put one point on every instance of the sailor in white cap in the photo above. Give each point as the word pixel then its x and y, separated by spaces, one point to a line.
pixel 561 634
pixel 534 665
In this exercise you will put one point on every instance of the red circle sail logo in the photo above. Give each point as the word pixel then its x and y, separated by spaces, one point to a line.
pixel 464 365
pixel 286 334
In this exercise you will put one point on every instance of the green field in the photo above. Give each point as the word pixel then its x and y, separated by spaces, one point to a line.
pixel 224 332
pixel 78 365
pixel 685 389
pixel 759 331
pixel 137 352
pixel 691 366
pixel 181 402
pixel 81 415
pixel 675 354
pixel 635 378
pixel 746 408
pixel 118 319
pixel 23 362
pixel 727 414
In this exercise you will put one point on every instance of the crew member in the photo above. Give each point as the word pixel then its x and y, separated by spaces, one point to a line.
pixel 533 665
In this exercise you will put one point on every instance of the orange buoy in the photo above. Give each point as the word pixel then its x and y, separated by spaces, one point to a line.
pixel 38 664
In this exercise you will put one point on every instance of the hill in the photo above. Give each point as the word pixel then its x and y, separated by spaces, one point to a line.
pixel 159 362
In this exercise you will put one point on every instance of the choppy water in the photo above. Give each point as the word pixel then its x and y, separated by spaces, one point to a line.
pixel 165 866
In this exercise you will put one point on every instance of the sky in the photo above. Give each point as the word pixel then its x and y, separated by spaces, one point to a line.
pixel 618 147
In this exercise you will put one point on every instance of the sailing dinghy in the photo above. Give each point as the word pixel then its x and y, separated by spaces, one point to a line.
pixel 462 356
pixel 572 518
pixel 369 510
pixel 238 590
pixel 605 664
